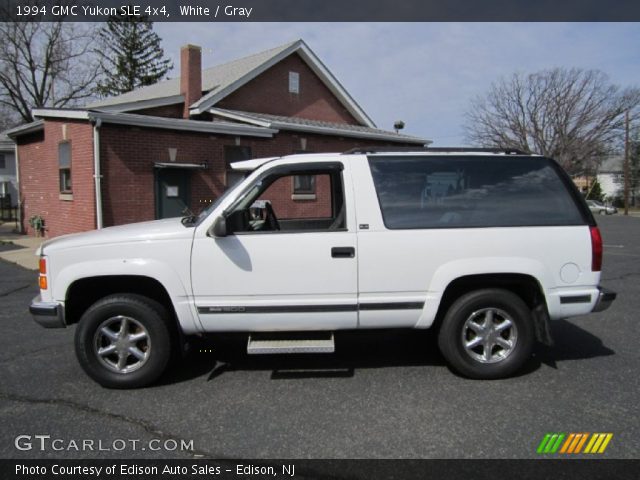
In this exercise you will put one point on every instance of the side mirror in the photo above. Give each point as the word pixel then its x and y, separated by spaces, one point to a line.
pixel 219 228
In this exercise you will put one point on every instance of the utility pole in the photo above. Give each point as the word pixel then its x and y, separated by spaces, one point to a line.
pixel 626 163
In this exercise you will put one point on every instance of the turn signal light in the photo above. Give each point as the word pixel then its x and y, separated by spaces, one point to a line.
pixel 42 279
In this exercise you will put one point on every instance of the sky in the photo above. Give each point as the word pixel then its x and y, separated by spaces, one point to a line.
pixel 425 74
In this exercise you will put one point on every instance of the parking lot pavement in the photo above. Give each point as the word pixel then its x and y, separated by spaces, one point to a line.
pixel 382 395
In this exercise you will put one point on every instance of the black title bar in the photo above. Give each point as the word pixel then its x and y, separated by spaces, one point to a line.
pixel 316 469
pixel 325 10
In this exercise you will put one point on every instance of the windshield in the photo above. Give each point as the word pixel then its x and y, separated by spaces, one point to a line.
pixel 205 213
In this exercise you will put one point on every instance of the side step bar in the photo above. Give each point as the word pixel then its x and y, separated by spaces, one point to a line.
pixel 311 342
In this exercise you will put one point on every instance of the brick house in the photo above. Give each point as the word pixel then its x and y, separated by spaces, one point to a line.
pixel 152 152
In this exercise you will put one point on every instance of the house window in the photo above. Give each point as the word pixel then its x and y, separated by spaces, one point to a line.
pixel 3 164
pixel 64 165
pixel 294 82
pixel 234 153
pixel 304 184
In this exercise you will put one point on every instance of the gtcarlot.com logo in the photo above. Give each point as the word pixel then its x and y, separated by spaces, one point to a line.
pixel 44 443
pixel 574 443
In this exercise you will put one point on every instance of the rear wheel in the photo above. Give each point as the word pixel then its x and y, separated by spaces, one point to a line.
pixel 487 334
pixel 124 341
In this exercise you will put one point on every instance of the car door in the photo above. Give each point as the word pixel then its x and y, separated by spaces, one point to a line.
pixel 302 277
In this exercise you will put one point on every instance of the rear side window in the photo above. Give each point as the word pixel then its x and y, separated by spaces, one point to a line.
pixel 459 191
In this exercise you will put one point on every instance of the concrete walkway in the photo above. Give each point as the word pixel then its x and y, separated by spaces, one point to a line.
pixel 25 254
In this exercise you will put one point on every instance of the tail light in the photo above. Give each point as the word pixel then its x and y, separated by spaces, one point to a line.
pixel 42 279
pixel 596 249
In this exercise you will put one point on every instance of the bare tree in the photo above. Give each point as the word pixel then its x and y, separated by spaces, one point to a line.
pixel 45 64
pixel 8 117
pixel 572 115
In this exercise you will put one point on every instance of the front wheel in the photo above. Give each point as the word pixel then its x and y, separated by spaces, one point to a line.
pixel 487 334
pixel 124 341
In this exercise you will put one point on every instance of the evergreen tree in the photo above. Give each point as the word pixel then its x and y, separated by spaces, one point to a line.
pixel 595 192
pixel 131 55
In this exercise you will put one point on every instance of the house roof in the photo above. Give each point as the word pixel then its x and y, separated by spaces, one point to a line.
pixel 315 126
pixel 612 164
pixel 221 80
pixel 25 128
pixel 228 128
pixel 240 123
pixel 6 144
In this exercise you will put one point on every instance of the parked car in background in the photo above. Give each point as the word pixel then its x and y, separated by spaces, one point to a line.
pixel 601 209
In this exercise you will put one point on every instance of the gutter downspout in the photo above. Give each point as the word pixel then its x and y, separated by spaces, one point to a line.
pixel 19 213
pixel 97 176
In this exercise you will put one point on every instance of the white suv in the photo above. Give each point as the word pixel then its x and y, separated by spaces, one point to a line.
pixel 484 247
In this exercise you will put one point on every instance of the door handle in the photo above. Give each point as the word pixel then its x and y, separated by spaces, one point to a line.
pixel 343 252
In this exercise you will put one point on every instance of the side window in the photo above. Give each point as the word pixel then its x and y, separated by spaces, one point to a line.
pixel 234 153
pixel 269 206
pixel 294 82
pixel 445 192
pixel 3 164
pixel 64 166
pixel 304 184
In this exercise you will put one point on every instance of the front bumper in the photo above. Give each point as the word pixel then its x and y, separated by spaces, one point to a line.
pixel 47 314
pixel 605 299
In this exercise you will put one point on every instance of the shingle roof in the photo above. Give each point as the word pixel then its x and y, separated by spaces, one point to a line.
pixel 213 79
pixel 612 164
pixel 296 123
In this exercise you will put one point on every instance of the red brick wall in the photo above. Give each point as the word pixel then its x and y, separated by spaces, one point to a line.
pixel 39 178
pixel 280 192
pixel 269 93
pixel 128 155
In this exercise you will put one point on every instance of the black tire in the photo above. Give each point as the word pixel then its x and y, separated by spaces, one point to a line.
pixel 460 325
pixel 142 318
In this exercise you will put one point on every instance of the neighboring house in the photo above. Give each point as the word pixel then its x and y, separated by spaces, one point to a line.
pixel 149 153
pixel 8 182
pixel 611 176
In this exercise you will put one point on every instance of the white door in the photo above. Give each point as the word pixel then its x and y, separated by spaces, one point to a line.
pixel 300 277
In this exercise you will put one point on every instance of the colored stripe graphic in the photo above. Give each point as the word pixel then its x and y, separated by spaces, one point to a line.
pixel 557 444
pixel 607 439
pixel 598 443
pixel 581 443
pixel 543 443
pixel 573 443
pixel 567 443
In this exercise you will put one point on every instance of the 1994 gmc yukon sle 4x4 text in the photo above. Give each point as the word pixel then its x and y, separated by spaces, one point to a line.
pixel 484 247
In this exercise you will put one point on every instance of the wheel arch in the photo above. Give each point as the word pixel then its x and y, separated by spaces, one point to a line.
pixel 84 292
pixel 526 286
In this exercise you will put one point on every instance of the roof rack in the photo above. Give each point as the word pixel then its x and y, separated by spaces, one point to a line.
pixel 365 150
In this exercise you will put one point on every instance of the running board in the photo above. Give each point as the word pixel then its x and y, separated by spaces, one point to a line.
pixel 283 343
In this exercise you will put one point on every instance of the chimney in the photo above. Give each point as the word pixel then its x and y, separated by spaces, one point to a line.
pixel 190 76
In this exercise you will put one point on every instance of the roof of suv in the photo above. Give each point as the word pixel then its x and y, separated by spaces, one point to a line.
pixel 253 164
pixel 436 151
